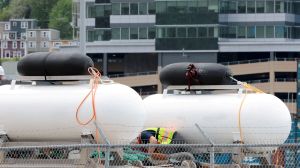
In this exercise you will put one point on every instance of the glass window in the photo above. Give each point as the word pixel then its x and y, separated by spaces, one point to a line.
pixel 151 8
pixel 116 34
pixel 202 5
pixel 192 32
pixel 161 32
pixel 286 32
pixel 223 32
pixel 241 6
pixel 270 6
pixel 269 32
pixel 290 7
pixel 124 33
pixel 171 32
pixel 279 32
pixel 101 10
pixel 134 33
pixel 286 7
pixel 107 10
pixel 260 6
pixel 116 8
pixel 98 35
pixel 224 6
pixel 250 31
pixel 171 7
pixel 192 7
pixel 232 32
pixel 216 32
pixel 232 7
pixel 142 33
pixel 250 6
pixel 91 11
pixel 241 32
pixel 181 7
pixel 202 32
pixel 181 32
pixel 296 32
pixel 161 7
pixel 125 9
pixel 260 32
pixel 279 6
pixel 211 32
pixel 134 8
pixel 143 8
pixel 151 33
pixel 213 5
pixel 296 7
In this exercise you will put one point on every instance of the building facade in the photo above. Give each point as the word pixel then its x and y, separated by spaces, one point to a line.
pixel 13 37
pixel 39 40
pixel 21 36
pixel 258 39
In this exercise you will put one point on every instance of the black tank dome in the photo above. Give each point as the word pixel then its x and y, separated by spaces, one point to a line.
pixel 54 64
pixel 207 74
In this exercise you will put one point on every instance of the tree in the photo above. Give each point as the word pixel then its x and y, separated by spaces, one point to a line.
pixel 40 10
pixel 3 3
pixel 14 9
pixel 60 18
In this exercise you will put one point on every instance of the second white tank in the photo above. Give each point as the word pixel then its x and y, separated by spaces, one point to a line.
pixel 263 117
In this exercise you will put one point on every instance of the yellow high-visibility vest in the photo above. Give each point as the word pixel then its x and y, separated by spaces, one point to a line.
pixel 163 135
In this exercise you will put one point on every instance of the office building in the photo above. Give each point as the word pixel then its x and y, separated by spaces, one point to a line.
pixel 258 39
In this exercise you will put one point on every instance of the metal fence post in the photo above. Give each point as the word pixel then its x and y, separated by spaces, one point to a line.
pixel 3 139
pixel 84 151
pixel 212 156
pixel 107 149
pixel 212 151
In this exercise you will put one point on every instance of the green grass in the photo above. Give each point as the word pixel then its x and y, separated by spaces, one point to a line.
pixel 9 59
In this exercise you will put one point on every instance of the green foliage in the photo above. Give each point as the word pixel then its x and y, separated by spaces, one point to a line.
pixel 56 14
pixel 9 59
pixel 40 10
pixel 3 3
pixel 15 9
pixel 60 18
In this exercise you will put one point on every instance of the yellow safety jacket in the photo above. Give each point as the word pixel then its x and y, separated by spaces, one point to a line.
pixel 163 135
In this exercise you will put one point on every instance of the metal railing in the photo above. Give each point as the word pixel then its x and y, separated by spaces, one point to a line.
pixel 285 79
pixel 245 61
pixel 252 61
pixel 289 100
pixel 147 93
pixel 132 74
pixel 258 81
pixel 286 59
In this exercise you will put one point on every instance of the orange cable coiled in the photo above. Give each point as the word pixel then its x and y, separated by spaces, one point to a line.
pixel 95 82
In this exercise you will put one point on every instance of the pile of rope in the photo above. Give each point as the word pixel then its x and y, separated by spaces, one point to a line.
pixel 133 155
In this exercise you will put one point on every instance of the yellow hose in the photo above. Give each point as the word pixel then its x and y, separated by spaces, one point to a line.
pixel 247 87
pixel 239 118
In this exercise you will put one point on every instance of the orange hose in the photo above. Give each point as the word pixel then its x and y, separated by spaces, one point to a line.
pixel 96 77
pixel 95 82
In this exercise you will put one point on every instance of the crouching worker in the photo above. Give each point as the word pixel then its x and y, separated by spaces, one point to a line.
pixel 156 136
pixel 164 136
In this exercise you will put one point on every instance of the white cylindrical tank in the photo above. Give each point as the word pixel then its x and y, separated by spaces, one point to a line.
pixel 263 118
pixel 48 112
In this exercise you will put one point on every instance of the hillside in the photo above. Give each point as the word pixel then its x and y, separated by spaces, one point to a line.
pixel 56 14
